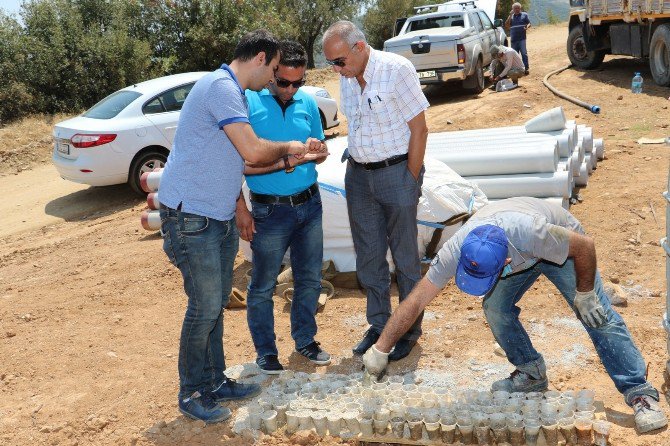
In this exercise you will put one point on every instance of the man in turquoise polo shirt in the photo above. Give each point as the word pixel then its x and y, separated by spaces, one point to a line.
pixel 286 211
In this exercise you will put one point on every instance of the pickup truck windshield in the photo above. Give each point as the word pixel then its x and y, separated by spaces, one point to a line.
pixel 436 22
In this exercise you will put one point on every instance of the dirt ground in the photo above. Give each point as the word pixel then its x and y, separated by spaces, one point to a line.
pixel 90 309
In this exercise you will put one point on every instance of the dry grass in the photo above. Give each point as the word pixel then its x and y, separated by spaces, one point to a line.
pixel 26 143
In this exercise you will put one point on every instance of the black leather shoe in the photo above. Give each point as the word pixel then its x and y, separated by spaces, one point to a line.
pixel 401 349
pixel 368 341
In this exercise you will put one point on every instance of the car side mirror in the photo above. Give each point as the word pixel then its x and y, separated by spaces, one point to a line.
pixel 498 23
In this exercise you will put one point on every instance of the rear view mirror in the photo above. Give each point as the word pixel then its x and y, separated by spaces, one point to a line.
pixel 498 22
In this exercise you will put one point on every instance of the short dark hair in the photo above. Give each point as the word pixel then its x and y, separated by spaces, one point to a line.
pixel 293 54
pixel 255 42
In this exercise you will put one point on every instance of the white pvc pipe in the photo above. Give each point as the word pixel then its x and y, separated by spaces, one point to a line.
pixel 566 142
pixel 150 180
pixel 565 164
pixel 151 220
pixel 556 184
pixel 599 145
pixel 590 161
pixel 498 162
pixel 583 179
pixel 552 119
pixel 560 201
pixel 152 200
pixel 586 133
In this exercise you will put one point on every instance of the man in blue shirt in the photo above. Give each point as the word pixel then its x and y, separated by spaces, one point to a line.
pixel 518 22
pixel 200 190
pixel 286 208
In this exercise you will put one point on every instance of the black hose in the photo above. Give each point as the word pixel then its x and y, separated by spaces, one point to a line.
pixel 592 108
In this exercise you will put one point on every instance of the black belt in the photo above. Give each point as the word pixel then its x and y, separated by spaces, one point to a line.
pixel 379 164
pixel 293 200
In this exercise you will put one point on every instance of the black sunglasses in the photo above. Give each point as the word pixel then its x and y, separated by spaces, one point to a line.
pixel 283 83
pixel 340 61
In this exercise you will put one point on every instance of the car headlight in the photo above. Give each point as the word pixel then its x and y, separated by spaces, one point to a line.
pixel 322 93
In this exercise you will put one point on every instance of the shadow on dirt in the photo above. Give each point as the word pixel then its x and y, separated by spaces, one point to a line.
pixel 94 202
pixel 448 93
pixel 618 71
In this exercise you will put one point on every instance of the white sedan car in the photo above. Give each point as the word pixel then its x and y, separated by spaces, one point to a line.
pixel 131 131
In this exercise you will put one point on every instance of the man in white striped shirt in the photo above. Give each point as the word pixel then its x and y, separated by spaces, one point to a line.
pixel 382 99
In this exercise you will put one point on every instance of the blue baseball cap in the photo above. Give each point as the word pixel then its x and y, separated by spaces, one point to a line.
pixel 483 255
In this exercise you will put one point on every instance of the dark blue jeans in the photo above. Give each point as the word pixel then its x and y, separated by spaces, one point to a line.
pixel 382 214
pixel 279 227
pixel 204 250
pixel 520 47
pixel 614 345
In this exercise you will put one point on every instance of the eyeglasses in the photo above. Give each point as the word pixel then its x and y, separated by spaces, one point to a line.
pixel 340 61
pixel 283 83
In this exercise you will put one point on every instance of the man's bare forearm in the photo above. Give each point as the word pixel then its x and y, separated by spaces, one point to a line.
pixel 405 315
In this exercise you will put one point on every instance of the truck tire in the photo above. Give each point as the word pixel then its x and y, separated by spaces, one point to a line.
pixel 476 81
pixel 579 56
pixel 659 55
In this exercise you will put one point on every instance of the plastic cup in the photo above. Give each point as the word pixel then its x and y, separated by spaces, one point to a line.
pixel 269 419
pixel 466 433
pixel 415 430
pixel 483 434
pixel 500 395
pixel 334 422
pixel 433 431
pixel 448 432
pixel 567 428
pixel 380 426
pixel 292 422
pixel 366 427
pixel 255 412
pixel 534 395
pixel 532 431
pixel 550 432
pixel 351 421
pixel 398 426
pixel 601 432
pixel 583 428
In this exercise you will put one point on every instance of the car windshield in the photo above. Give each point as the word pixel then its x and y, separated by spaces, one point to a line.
pixel 436 22
pixel 111 105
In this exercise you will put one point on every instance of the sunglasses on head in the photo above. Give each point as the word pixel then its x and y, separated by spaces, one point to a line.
pixel 283 83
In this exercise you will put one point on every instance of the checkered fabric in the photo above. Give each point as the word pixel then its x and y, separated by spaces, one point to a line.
pixel 377 116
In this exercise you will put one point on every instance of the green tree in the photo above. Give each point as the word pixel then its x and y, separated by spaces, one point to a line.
pixel 380 17
pixel 552 18
pixel 308 19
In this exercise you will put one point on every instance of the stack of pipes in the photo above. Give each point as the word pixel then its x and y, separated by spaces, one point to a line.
pixel 150 218
pixel 546 158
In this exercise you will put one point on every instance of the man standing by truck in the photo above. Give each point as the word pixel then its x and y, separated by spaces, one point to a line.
pixel 518 22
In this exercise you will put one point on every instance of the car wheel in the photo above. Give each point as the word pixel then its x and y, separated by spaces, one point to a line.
pixel 659 55
pixel 145 162
pixel 579 56
pixel 476 82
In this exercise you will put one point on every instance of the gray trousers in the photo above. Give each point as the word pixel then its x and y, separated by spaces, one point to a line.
pixel 382 213
pixel 514 73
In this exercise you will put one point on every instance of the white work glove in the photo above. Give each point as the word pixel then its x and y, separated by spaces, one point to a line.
pixel 375 362
pixel 589 308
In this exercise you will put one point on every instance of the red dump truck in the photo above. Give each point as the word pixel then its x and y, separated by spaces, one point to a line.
pixel 639 28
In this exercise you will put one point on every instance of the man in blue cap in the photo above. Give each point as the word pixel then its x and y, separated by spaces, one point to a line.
pixel 499 254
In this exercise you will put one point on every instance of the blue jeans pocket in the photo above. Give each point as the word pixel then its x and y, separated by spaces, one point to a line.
pixel 193 224
pixel 261 211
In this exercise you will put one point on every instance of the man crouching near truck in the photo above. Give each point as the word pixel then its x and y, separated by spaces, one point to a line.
pixel 499 254
pixel 505 63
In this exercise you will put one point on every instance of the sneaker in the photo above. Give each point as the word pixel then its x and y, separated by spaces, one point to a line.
pixel 204 408
pixel 314 353
pixel 520 381
pixel 526 72
pixel 368 341
pixel 648 414
pixel 230 389
pixel 270 365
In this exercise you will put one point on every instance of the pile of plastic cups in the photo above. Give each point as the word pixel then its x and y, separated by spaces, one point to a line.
pixel 342 406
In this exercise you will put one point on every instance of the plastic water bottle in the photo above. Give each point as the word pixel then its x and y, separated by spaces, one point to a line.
pixel 636 84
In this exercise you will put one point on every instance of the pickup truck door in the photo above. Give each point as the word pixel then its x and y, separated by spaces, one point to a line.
pixel 476 23
pixel 490 35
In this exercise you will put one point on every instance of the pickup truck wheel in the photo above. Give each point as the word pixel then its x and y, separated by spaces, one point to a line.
pixel 475 82
pixel 659 55
pixel 579 56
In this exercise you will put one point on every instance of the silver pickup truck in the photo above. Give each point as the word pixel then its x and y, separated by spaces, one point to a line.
pixel 451 44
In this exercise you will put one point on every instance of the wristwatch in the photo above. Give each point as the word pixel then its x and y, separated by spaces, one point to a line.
pixel 287 166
